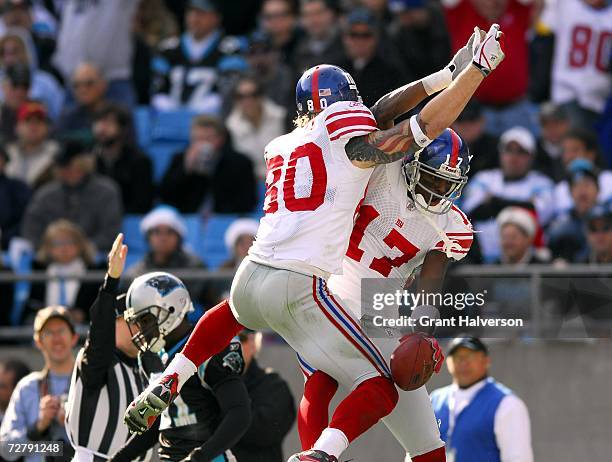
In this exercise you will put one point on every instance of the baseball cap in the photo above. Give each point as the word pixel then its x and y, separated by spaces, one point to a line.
pixel 552 111
pixel 164 215
pixel 70 150
pixel 578 169
pixel 520 217
pixel 18 74
pixel 361 16
pixel 519 135
pixel 31 109
pixel 52 312
pixel 204 5
pixel 471 343
pixel 600 211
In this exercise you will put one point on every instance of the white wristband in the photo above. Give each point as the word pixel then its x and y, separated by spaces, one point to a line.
pixel 437 81
pixel 420 138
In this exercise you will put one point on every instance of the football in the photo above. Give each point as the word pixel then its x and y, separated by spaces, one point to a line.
pixel 412 362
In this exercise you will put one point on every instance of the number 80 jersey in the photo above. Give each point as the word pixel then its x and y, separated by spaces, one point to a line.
pixel 312 192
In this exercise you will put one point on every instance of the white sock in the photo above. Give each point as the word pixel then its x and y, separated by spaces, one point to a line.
pixel 182 366
pixel 332 441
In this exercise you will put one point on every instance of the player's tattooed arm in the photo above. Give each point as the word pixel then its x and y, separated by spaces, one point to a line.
pixel 382 147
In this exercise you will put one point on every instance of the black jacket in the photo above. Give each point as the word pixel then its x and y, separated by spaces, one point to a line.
pixel 14 197
pixel 273 414
pixel 231 187
pixel 133 172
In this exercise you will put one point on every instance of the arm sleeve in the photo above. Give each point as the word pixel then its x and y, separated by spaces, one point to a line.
pixel 234 404
pixel 138 445
pixel 513 430
pixel 14 427
pixel 100 343
pixel 272 415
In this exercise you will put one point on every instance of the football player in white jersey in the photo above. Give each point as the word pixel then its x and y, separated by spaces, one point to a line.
pixel 407 220
pixel 317 175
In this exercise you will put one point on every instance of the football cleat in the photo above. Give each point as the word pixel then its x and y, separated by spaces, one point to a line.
pixel 144 410
pixel 313 455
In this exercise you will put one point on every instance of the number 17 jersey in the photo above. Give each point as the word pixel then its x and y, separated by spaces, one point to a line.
pixel 312 192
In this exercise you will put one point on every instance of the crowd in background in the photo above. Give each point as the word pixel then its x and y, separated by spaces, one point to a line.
pixel 74 162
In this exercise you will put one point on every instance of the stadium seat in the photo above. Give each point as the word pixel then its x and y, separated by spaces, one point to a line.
pixel 142 126
pixel 214 252
pixel 194 241
pixel 161 153
pixel 137 245
pixel 171 125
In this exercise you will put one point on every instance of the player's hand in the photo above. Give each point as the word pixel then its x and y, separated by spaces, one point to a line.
pixel 116 257
pixel 465 54
pixel 489 53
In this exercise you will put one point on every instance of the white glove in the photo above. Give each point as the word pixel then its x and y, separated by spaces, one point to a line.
pixel 489 53
pixel 464 55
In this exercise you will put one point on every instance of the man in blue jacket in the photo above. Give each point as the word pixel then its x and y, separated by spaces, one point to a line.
pixel 480 419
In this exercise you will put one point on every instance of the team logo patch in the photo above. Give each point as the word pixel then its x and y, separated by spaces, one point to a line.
pixel 163 284
pixel 234 362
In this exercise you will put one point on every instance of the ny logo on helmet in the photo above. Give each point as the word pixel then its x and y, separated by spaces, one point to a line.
pixel 163 284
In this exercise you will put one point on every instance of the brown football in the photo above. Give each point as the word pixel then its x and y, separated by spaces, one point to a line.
pixel 412 362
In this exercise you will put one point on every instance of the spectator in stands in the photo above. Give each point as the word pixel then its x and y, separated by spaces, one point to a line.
pixel 478 417
pixel 33 153
pixel 555 124
pixel 322 42
pixel 152 23
pixel 254 122
pixel 504 94
pixel 517 230
pixel 36 409
pixel 272 407
pixel 581 144
pixel 16 48
pixel 119 159
pixel 238 240
pixel 566 234
pixel 209 175
pixel 14 197
pixel 471 126
pixel 101 33
pixel 6 296
pixel 11 372
pixel 186 73
pixel 165 232
pixel 599 234
pixel 275 76
pixel 279 21
pixel 79 195
pixel 20 13
pixel 514 183
pixel 420 35
pixel 16 83
pixel 89 86
pixel 581 80
pixel 374 74
pixel 65 253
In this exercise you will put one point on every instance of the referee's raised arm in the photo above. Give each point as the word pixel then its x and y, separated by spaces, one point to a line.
pixel 100 344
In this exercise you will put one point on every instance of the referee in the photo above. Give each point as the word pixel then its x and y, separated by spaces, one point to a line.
pixel 106 379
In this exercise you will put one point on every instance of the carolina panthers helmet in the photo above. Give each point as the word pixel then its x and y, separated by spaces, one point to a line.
pixel 323 85
pixel 155 303
pixel 437 173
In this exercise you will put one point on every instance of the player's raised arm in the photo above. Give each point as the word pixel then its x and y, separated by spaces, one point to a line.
pixel 401 100
pixel 386 146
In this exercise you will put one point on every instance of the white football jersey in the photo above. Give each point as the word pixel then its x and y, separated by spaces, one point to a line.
pixel 312 192
pixel 391 236
pixel 583 37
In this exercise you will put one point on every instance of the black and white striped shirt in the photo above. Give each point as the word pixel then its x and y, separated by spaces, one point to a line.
pixel 104 382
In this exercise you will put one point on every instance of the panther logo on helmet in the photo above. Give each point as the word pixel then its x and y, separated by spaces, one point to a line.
pixel 163 284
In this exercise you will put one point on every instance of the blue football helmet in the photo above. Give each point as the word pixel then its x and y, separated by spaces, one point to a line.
pixel 437 173
pixel 323 85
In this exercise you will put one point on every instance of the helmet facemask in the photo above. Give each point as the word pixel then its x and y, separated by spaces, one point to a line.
pixel 423 182
pixel 145 328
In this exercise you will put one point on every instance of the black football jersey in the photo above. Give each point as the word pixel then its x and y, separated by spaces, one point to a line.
pixel 194 415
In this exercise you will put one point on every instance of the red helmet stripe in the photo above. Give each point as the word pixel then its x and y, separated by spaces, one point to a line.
pixel 455 148
pixel 315 90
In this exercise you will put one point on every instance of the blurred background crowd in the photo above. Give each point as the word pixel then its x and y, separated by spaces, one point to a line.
pixel 151 116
